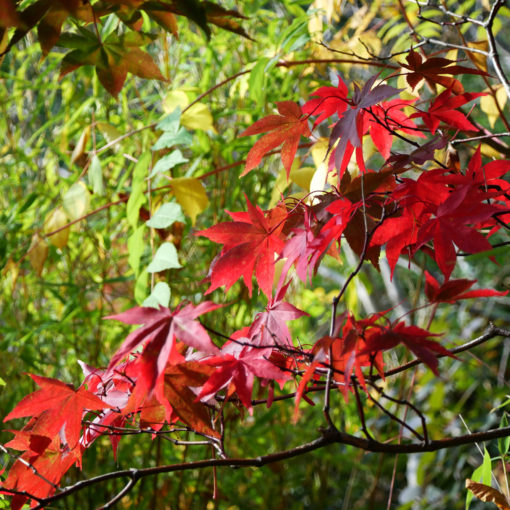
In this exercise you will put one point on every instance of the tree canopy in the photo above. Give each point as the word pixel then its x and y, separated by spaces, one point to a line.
pixel 269 236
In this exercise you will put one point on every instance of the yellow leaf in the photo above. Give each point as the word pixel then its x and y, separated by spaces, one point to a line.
pixel 280 185
pixel 302 176
pixel 319 151
pixel 488 104
pixel 319 178
pixel 174 99
pixel 54 220
pixel 198 117
pixel 109 132
pixel 190 193
pixel 76 200
pixel 478 59
pixel 11 269
pixel 37 253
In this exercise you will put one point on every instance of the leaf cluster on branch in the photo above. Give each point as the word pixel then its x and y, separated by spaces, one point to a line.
pixel 389 191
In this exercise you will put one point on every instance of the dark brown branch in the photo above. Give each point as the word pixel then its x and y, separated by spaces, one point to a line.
pixel 329 436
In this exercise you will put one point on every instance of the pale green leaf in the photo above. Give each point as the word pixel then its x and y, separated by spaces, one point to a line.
pixel 137 196
pixel 76 201
pixel 96 176
pixel 160 296
pixel 136 248
pixel 169 161
pixel 165 258
pixel 169 139
pixel 166 215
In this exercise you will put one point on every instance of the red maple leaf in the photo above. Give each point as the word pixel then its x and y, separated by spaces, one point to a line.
pixel 160 328
pixel 236 369
pixel 251 243
pixel 285 129
pixel 385 118
pixel 416 339
pixel 451 224
pixel 443 109
pixel 58 408
pixel 453 290
pixel 269 327
pixel 432 69
pixel 348 131
pixel 39 469
pixel 329 101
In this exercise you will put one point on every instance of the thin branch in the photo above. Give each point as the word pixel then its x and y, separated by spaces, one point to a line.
pixel 494 55
pixel 127 488
pixel 482 137
pixel 491 332
pixel 329 436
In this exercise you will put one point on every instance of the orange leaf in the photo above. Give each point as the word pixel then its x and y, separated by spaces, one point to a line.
pixel 488 494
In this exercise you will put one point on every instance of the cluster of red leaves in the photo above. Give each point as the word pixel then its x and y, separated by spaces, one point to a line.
pixel 169 370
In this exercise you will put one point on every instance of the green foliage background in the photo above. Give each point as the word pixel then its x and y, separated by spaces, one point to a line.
pixel 49 321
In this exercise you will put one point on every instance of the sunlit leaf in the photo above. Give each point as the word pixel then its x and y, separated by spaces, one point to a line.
pixel 165 258
pixel 190 193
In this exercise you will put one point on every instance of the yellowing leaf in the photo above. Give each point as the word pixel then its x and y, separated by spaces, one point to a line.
pixel 81 146
pixel 279 186
pixel 488 104
pixel 478 59
pixel 190 193
pixel 198 117
pixel 174 99
pixel 55 220
pixel 76 200
pixel 302 176
pixel 108 131
pixel 11 269
pixel 319 151
pixel 37 253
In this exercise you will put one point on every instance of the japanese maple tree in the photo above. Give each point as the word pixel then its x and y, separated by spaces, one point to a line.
pixel 391 194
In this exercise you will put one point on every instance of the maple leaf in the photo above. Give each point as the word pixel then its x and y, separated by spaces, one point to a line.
pixel 450 225
pixel 113 58
pixel 414 338
pixel 236 368
pixel 453 290
pixel 443 109
pixel 181 400
pixel 348 131
pixel 432 70
pixel 329 101
pixel 385 118
pixel 48 15
pixel 419 156
pixel 160 328
pixel 59 407
pixel 250 245
pixel 269 327
pixel 285 129
pixel 39 469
